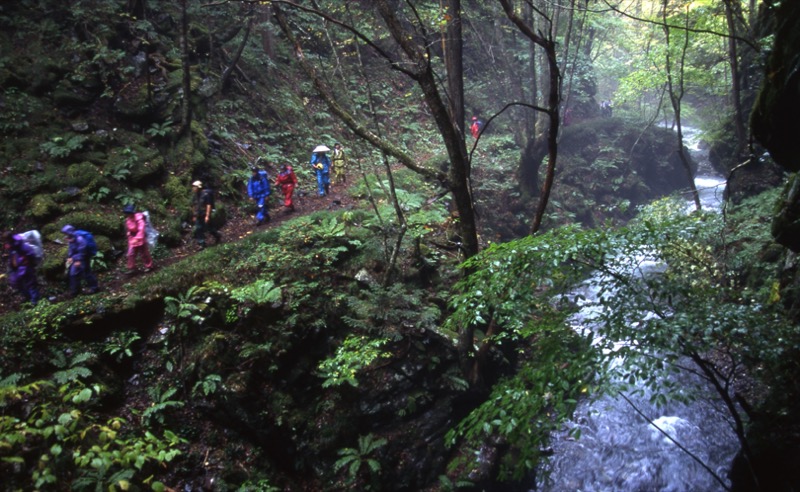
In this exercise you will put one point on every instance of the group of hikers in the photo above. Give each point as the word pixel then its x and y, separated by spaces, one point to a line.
pixel 23 252
pixel 329 171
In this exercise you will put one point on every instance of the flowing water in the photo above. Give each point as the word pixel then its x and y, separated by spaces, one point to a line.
pixel 621 451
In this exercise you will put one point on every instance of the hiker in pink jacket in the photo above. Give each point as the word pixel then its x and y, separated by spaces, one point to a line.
pixel 135 226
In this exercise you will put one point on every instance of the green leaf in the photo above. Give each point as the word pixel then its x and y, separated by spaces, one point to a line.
pixel 83 396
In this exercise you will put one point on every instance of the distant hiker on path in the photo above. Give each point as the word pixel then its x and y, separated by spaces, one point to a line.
pixel 339 162
pixel 79 260
pixel 135 228
pixel 202 205
pixel 322 167
pixel 605 108
pixel 21 259
pixel 287 180
pixel 258 189
pixel 475 128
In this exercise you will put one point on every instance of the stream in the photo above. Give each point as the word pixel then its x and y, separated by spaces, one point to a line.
pixel 618 449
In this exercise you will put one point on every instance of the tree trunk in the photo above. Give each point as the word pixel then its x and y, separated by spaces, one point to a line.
pixel 459 173
pixel 553 101
pixel 224 83
pixel 736 79
pixel 552 135
pixel 676 91
pixel 454 63
pixel 186 112
pixel 533 76
pixel 264 12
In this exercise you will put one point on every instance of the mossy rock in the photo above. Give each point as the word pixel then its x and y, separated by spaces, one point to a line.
pixel 189 157
pixel 98 222
pixel 171 231
pixel 184 154
pixel 220 216
pixel 786 221
pixel 53 266
pixel 69 95
pixel 148 169
pixel 178 192
pixel 96 157
pixel 43 207
pixel 83 174
pixel 134 163
pixel 135 103
pixel 175 80
pixel 199 137
pixel 40 73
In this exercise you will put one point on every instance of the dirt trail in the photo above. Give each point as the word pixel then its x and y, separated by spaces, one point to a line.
pixel 241 223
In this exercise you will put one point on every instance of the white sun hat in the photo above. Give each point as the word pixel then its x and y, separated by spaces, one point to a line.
pixel 321 148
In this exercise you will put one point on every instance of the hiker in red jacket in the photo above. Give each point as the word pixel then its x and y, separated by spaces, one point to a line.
pixel 287 181
pixel 475 128
pixel 135 227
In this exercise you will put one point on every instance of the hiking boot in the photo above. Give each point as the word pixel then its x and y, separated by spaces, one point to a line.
pixel 217 237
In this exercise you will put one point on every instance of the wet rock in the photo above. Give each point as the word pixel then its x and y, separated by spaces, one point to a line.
pixel 139 63
pixel 80 126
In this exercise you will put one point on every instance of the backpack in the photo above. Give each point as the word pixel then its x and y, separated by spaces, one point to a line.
pixel 207 197
pixel 34 240
pixel 150 232
pixel 91 244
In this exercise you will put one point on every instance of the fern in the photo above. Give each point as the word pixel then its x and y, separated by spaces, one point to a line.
pixel 354 459
pixel 251 350
pixel 161 403
pixel 207 385
pixel 259 292
pixel 71 368
pixel 160 129
pixel 72 374
pixel 10 380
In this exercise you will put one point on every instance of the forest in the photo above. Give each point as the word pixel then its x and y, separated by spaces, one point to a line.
pixel 561 255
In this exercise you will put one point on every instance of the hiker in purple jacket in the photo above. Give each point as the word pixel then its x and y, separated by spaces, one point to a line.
pixel 79 262
pixel 21 266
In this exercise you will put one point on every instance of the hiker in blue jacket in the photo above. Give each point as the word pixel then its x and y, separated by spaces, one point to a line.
pixel 79 262
pixel 258 189
pixel 322 166
pixel 21 266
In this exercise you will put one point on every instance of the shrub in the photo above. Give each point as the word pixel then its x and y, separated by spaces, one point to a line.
pixel 56 438
pixel 60 147
pixel 355 354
